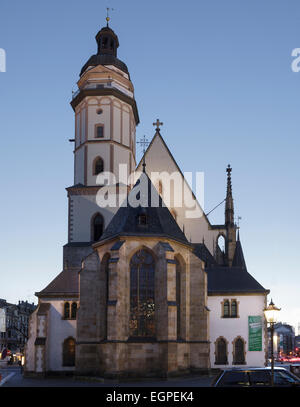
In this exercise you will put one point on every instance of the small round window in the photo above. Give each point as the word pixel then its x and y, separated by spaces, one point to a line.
pixel 99 111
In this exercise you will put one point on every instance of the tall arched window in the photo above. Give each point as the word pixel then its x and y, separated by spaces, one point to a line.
pixel 97 227
pixel 226 309
pixel 98 166
pixel 221 352
pixel 239 352
pixel 73 310
pixel 233 309
pixel 69 352
pixel 142 305
pixel 178 296
pixel 66 310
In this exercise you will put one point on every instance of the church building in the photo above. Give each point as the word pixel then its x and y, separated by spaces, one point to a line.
pixel 145 290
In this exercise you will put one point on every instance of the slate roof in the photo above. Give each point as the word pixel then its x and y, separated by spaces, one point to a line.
pixel 201 251
pixel 160 222
pixel 238 258
pixel 222 280
pixel 65 283
pixel 105 59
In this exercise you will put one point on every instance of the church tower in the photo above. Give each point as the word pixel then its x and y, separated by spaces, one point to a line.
pixel 106 117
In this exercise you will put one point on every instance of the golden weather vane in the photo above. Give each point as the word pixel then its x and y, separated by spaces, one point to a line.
pixel 107 14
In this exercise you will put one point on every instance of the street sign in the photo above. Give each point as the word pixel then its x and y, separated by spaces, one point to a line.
pixel 255 333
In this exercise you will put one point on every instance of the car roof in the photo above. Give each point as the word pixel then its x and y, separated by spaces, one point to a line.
pixel 234 369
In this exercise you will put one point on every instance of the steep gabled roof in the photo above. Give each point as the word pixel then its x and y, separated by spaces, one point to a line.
pixel 222 280
pixel 238 258
pixel 66 283
pixel 159 220
pixel 158 136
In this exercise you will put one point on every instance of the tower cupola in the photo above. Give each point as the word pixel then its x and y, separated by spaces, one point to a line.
pixel 107 41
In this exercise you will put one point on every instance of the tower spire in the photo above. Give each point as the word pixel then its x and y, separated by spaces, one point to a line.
pixel 229 221
pixel 229 210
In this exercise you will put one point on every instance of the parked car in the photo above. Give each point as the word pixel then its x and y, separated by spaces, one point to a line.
pixel 255 377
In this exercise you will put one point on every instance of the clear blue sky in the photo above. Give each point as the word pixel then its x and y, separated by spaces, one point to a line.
pixel 217 73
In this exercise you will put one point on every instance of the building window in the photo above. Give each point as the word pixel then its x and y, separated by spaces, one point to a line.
pixel 239 351
pixel 226 309
pixel 74 310
pixel 97 227
pixel 66 310
pixel 99 111
pixel 99 131
pixel 69 352
pixel 98 166
pixel 221 351
pixel 230 309
pixel 142 304
pixel 233 309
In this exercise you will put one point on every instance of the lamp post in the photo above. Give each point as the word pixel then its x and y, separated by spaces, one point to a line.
pixel 271 314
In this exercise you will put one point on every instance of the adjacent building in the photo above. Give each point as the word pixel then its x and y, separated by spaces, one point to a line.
pixel 14 322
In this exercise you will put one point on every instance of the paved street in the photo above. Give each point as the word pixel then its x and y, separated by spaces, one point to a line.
pixel 12 377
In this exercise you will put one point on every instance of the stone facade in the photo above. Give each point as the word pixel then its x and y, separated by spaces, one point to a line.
pixel 104 346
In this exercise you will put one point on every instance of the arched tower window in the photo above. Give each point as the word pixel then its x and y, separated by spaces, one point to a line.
pixel 142 304
pixel 67 310
pixel 98 166
pixel 74 310
pixel 97 227
pixel 69 352
pixel 239 351
pixel 221 352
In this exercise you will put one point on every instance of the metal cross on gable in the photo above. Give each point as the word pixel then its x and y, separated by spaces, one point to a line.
pixel 157 124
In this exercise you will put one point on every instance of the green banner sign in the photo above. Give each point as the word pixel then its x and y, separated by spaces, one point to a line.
pixel 255 333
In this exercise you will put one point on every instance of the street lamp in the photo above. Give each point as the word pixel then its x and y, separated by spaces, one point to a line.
pixel 271 314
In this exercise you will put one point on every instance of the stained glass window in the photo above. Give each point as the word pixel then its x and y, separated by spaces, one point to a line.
pixel 142 305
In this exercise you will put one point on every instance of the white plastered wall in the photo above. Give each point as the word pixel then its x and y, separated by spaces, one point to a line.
pixel 231 328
